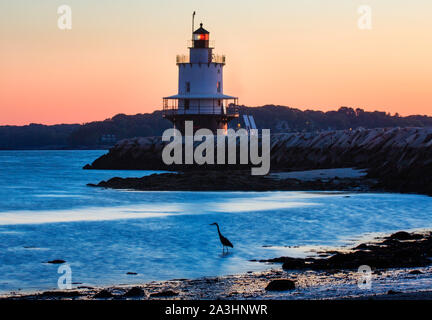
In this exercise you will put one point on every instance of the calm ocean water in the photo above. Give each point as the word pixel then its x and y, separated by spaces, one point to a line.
pixel 47 212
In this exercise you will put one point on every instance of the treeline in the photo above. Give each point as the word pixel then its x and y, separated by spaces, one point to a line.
pixel 285 119
pixel 36 136
pixel 120 126
pixel 100 134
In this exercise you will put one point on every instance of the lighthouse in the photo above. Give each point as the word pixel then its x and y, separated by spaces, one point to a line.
pixel 200 97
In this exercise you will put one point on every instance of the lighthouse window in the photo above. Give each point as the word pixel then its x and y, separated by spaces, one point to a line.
pixel 218 86
pixel 201 37
pixel 187 86
pixel 186 104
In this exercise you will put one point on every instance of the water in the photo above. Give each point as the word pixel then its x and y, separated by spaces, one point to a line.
pixel 47 212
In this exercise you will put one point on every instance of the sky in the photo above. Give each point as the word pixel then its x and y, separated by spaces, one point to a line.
pixel 119 56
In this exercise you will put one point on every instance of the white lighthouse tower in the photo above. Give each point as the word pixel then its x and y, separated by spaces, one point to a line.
pixel 200 96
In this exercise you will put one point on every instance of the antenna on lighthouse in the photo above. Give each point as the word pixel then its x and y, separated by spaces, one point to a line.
pixel 193 23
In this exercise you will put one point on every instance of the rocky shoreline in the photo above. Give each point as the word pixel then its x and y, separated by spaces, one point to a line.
pixel 237 180
pixel 399 250
pixel 398 256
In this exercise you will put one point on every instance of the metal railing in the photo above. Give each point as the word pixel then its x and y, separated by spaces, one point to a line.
pixel 182 58
pixel 171 108
pixel 216 58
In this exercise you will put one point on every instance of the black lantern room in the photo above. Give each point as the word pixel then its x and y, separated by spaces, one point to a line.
pixel 201 38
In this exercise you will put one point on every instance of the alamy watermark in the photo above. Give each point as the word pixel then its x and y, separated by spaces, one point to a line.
pixel 204 153
pixel 64 21
pixel 364 22
pixel 65 280
pixel 365 281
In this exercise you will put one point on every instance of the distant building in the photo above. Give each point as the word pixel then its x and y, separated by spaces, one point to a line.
pixel 200 96
pixel 108 138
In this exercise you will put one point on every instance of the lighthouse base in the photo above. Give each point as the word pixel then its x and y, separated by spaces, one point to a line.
pixel 201 121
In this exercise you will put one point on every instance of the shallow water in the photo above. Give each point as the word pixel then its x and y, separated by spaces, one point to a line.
pixel 47 212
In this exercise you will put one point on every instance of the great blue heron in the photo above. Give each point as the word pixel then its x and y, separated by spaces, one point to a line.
pixel 225 242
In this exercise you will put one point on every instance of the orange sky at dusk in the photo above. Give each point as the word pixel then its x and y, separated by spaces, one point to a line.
pixel 119 56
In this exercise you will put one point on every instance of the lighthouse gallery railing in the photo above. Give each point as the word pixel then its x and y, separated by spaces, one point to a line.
pixel 171 107
pixel 216 58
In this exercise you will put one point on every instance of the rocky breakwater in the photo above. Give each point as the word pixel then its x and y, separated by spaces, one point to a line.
pixel 400 158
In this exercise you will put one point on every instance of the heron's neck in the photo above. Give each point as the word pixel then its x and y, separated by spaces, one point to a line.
pixel 217 226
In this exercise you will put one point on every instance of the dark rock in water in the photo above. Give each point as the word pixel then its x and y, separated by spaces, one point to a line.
pixel 333 271
pixel 392 292
pixel 293 263
pixel 415 272
pixel 215 180
pixel 391 242
pixel 389 253
pixel 103 294
pixel 57 261
pixel 165 293
pixel 131 273
pixel 402 235
pixel 134 292
pixel 281 285
pixel 362 246
pixel 59 294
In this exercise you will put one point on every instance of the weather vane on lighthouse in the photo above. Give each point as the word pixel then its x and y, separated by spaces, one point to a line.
pixel 200 96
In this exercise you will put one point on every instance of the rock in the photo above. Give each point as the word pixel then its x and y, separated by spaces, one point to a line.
pixel 391 292
pixel 215 180
pixel 57 261
pixel 103 294
pixel 402 235
pixel 60 294
pixel 391 242
pixel 415 272
pixel 165 293
pixel 388 253
pixel 281 285
pixel 293 263
pixel 131 273
pixel 134 292
pixel 362 246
